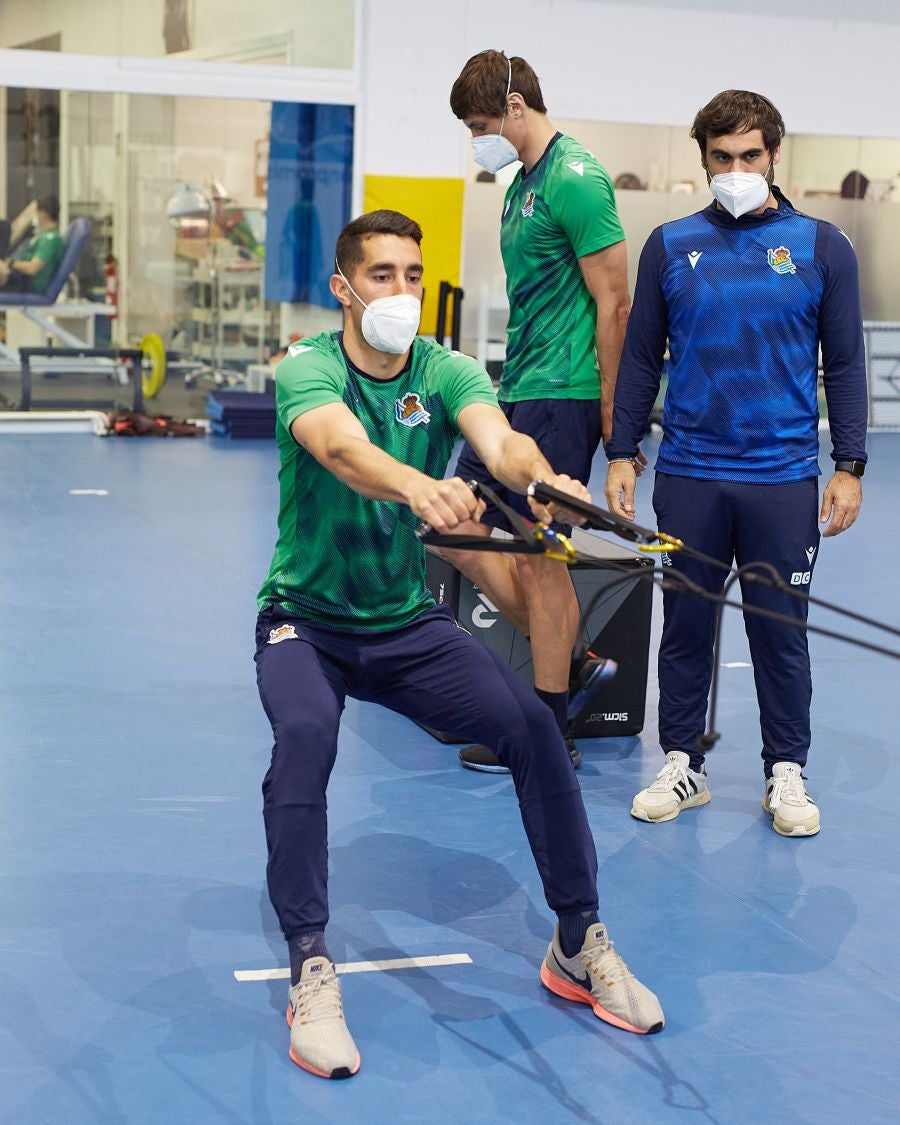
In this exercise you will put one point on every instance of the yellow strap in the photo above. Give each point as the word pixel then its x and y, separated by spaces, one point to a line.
pixel 666 543
pixel 556 545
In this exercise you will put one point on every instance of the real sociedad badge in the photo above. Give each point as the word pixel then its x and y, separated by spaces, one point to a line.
pixel 780 260
pixel 409 411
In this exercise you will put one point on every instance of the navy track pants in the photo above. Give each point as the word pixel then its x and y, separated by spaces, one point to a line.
pixel 773 523
pixel 431 671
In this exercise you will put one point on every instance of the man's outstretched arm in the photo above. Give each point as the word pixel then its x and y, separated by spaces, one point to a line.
pixel 337 440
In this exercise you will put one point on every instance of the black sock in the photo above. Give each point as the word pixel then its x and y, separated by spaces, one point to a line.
pixel 573 927
pixel 558 702
pixel 302 946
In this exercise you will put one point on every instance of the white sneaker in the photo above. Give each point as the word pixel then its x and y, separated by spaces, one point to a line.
pixel 320 1041
pixel 677 787
pixel 598 976
pixel 793 812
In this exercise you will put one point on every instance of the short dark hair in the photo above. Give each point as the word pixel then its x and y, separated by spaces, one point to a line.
pixel 49 204
pixel 738 111
pixel 348 251
pixel 481 86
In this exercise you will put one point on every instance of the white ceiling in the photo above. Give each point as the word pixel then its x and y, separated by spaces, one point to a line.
pixel 832 11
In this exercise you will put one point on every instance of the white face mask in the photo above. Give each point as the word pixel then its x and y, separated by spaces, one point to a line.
pixel 740 192
pixel 389 324
pixel 494 151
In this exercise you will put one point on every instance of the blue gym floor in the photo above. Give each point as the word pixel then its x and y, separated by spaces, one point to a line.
pixel 132 856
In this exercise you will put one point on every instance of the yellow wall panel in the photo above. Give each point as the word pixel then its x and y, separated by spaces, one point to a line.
pixel 437 206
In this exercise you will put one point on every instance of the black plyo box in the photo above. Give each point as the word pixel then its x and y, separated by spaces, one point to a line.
pixel 614 590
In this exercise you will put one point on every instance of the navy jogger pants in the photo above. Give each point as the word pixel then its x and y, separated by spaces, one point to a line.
pixel 773 523
pixel 433 672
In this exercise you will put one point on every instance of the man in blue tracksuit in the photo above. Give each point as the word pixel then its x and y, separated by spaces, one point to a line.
pixel 744 294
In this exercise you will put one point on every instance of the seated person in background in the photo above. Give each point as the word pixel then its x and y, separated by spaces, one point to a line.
pixel 14 231
pixel 32 270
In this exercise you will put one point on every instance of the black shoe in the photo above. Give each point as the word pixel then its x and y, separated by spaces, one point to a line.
pixel 481 759
pixel 574 753
pixel 486 761
pixel 586 680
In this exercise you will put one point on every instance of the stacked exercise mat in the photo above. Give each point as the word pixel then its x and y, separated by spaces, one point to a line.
pixel 241 414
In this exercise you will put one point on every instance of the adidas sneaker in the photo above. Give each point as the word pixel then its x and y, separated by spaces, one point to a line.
pixel 793 811
pixel 677 787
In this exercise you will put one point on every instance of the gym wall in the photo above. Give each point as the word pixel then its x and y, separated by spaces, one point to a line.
pixel 637 64
pixel 315 34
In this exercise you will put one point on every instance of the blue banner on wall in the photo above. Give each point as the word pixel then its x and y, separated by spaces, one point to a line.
pixel 309 192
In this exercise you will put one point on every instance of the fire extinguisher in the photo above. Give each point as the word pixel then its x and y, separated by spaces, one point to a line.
pixel 111 283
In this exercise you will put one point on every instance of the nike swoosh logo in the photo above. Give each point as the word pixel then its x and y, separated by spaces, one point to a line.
pixel 584 982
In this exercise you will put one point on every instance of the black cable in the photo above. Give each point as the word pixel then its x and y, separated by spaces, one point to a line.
pixel 774 580
pixel 601 519
pixel 537 538
pixel 677 582
pixel 530 543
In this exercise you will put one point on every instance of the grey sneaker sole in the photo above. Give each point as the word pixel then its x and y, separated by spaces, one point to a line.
pixel 701 798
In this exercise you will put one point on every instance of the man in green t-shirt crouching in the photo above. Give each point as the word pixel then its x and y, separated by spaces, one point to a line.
pixel 366 419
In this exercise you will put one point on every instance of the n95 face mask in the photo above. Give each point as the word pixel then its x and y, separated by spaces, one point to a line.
pixel 389 324
pixel 740 192
pixel 493 151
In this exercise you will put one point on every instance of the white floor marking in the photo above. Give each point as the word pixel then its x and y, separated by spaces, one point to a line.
pixel 737 664
pixel 89 492
pixel 191 798
pixel 362 966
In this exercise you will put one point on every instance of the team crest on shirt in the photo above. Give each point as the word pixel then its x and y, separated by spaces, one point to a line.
pixel 780 260
pixel 282 633
pixel 528 205
pixel 409 411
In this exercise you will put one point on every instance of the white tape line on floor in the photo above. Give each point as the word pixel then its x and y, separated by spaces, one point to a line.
pixel 363 966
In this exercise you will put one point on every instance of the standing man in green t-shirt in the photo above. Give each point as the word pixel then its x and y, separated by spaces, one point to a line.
pixel 366 419
pixel 566 278
pixel 32 269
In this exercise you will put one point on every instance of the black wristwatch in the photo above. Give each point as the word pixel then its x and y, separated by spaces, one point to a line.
pixel 856 468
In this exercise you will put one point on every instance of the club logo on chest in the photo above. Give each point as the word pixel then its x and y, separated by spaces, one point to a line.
pixel 409 411
pixel 780 260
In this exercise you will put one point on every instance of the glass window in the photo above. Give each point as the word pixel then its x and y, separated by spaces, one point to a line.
pixel 302 33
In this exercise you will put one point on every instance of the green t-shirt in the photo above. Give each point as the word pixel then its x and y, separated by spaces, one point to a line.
pixel 561 210
pixel 341 559
pixel 48 246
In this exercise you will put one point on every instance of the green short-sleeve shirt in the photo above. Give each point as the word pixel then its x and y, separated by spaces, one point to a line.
pixel 341 559
pixel 48 246
pixel 563 209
